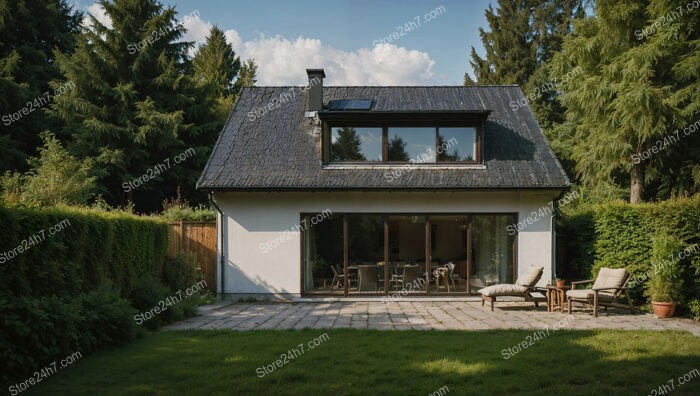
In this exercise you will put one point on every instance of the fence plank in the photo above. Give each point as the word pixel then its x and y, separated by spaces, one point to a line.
pixel 197 239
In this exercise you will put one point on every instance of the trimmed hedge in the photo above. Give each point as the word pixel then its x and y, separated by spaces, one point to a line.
pixel 619 235
pixel 79 287
pixel 92 249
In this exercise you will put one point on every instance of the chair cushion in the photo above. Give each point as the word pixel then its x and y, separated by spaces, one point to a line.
pixel 587 294
pixel 530 277
pixel 503 290
pixel 608 277
pixel 580 294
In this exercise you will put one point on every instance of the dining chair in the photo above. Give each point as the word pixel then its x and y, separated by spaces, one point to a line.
pixel 367 278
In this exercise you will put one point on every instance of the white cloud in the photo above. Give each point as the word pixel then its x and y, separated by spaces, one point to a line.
pixel 233 38
pixel 98 12
pixel 197 29
pixel 283 62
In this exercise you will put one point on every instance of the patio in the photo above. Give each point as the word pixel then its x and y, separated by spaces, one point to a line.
pixel 406 314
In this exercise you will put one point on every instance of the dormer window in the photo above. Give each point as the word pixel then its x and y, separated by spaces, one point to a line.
pixel 356 132
pixel 350 142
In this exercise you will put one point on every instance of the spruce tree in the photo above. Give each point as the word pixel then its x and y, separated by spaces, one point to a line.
pixel 635 90
pixel 30 32
pixel 216 66
pixel 510 47
pixel 216 63
pixel 137 105
pixel 248 75
pixel 523 36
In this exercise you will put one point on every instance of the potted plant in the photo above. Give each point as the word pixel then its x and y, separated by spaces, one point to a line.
pixel 664 285
pixel 559 282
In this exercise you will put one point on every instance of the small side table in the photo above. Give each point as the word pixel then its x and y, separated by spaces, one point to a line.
pixel 556 297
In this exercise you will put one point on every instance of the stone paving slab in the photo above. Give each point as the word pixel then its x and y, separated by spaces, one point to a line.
pixel 417 315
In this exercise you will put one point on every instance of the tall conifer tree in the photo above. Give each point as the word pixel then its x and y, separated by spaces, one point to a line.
pixel 30 32
pixel 136 105
pixel 635 90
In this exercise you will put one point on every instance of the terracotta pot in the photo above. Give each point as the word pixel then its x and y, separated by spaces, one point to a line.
pixel 663 309
pixel 560 284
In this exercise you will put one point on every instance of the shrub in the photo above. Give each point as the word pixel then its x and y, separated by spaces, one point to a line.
pixel 65 290
pixel 35 331
pixel 180 272
pixel 694 307
pixel 176 209
pixel 147 294
pixel 666 282
pixel 55 177
pixel 617 234
pixel 105 318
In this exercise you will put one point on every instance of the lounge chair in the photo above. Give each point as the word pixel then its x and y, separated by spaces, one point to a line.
pixel 523 287
pixel 606 291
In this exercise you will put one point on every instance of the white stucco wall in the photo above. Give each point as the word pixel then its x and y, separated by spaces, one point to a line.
pixel 252 219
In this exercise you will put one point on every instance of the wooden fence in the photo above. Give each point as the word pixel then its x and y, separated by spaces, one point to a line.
pixel 197 239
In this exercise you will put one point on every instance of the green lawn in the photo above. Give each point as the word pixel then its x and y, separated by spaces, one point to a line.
pixel 361 362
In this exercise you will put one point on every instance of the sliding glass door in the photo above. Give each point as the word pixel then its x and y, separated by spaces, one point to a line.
pixel 366 264
pixel 407 268
pixel 492 251
pixel 435 254
pixel 323 256
pixel 448 249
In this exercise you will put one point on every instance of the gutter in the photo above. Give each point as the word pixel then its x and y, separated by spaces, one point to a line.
pixel 221 249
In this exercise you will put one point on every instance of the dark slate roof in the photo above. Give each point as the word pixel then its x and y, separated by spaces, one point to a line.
pixel 277 151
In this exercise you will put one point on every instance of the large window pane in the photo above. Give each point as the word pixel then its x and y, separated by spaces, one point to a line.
pixel 407 270
pixel 356 144
pixel 492 251
pixel 323 256
pixel 416 144
pixel 457 144
pixel 449 253
pixel 366 253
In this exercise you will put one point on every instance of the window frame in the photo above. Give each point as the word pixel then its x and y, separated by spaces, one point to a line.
pixel 357 122
pixel 514 246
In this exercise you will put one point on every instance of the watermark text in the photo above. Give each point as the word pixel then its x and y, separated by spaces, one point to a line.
pixel 45 372
pixel 169 302
pixel 291 355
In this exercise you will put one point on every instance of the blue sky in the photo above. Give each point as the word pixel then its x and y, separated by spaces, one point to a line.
pixel 285 37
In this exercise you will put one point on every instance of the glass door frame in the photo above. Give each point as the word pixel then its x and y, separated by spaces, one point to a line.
pixel 428 255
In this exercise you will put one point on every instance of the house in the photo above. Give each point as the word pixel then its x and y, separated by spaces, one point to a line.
pixel 372 190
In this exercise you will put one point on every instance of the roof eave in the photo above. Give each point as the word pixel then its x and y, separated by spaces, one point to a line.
pixel 381 189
